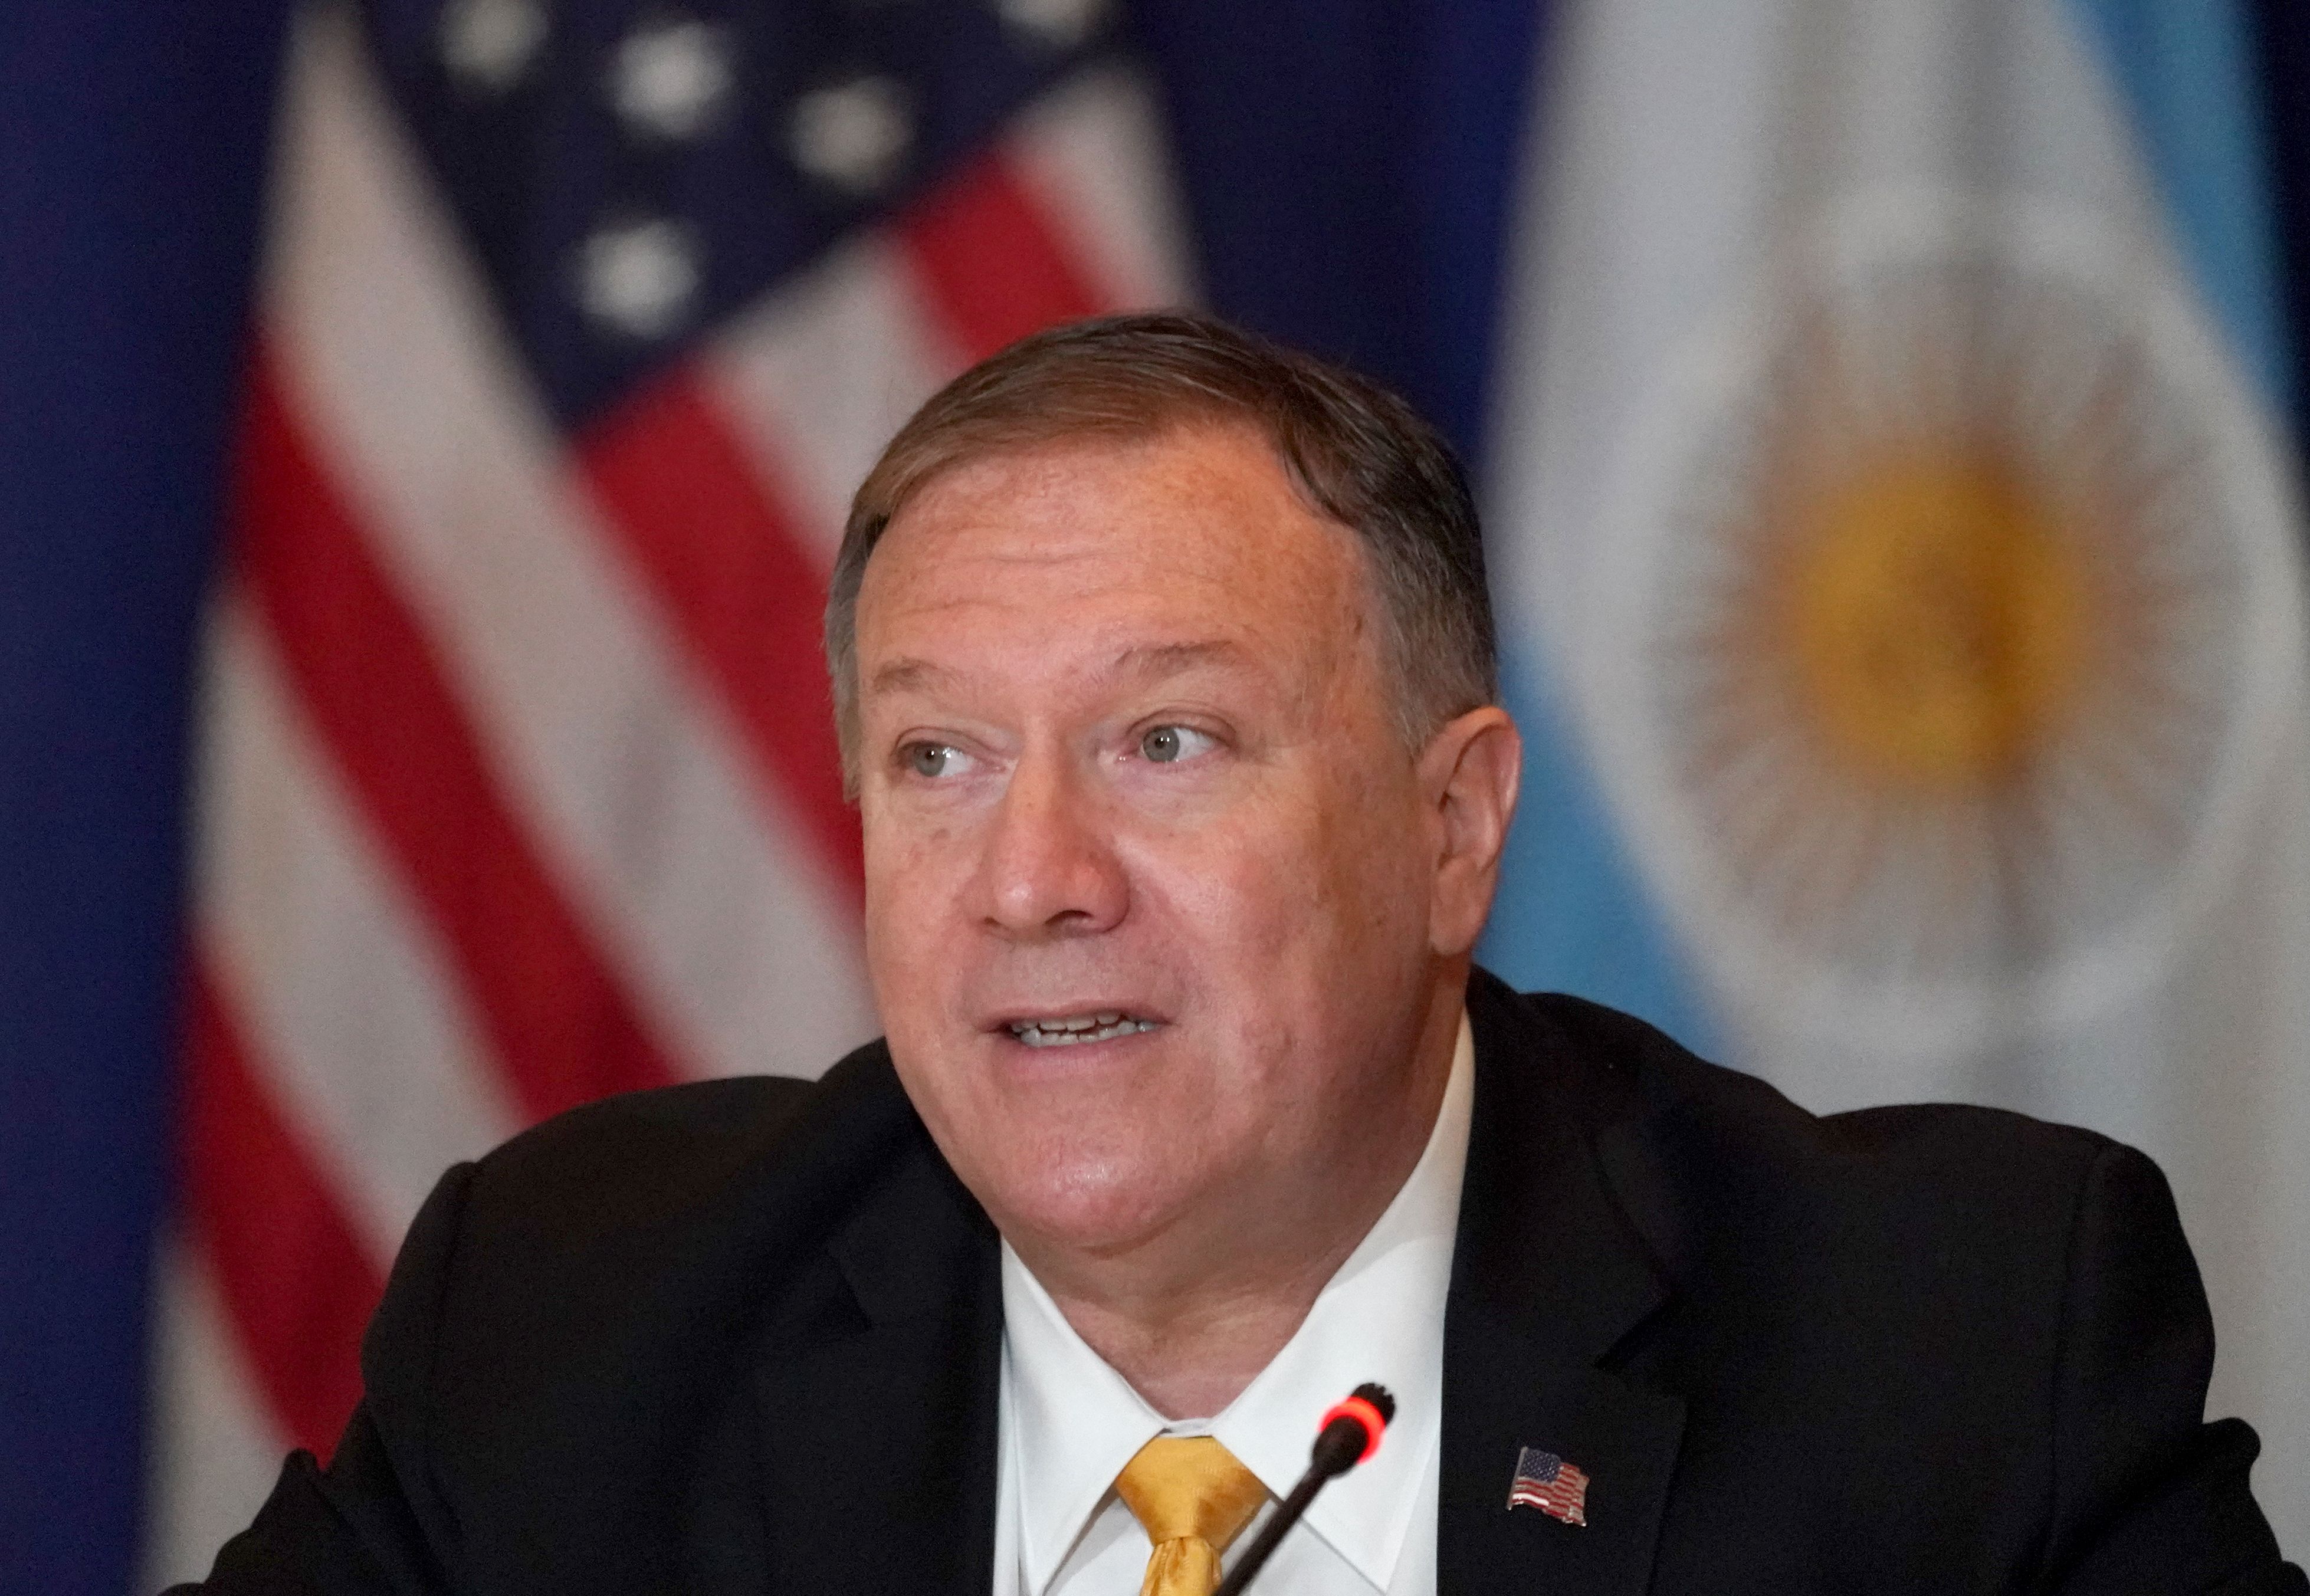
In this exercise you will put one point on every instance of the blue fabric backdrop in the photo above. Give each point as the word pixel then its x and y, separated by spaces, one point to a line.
pixel 134 140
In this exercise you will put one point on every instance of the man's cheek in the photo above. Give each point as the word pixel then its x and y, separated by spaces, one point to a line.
pixel 912 902
pixel 1226 877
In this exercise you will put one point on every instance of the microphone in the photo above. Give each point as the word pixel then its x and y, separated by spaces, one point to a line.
pixel 1351 1433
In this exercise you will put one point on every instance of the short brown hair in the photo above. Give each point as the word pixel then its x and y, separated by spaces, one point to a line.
pixel 1359 455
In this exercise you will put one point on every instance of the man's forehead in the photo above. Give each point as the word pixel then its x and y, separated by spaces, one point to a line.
pixel 1017 462
pixel 1213 501
pixel 1152 482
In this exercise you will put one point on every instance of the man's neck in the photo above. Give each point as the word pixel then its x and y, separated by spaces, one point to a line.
pixel 1190 1317
pixel 1191 1356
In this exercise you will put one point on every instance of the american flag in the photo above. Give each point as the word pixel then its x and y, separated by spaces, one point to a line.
pixel 1545 1482
pixel 578 324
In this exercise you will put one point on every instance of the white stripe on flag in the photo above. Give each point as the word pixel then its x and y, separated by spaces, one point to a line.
pixel 351 1009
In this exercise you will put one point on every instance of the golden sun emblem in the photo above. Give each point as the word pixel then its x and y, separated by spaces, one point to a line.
pixel 1946 627
pixel 1937 618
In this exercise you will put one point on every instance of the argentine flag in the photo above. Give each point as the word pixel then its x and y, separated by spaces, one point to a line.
pixel 1898 557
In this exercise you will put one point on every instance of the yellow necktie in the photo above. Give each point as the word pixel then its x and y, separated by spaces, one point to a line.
pixel 1192 1498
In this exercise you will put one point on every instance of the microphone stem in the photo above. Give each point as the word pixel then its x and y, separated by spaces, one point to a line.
pixel 1347 1437
pixel 1263 1545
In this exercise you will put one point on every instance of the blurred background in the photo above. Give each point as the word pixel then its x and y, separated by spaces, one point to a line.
pixel 425 426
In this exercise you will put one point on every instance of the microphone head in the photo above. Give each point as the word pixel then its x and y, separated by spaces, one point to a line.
pixel 1350 1432
pixel 1381 1403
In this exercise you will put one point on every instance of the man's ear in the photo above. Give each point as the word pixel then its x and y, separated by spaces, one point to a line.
pixel 1469 773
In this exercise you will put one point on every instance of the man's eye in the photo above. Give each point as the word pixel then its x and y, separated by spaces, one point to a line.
pixel 1167 745
pixel 932 760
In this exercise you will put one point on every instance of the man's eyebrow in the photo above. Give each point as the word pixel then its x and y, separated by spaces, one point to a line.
pixel 905 674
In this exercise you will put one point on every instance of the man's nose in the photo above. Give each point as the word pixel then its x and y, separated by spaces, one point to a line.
pixel 1049 869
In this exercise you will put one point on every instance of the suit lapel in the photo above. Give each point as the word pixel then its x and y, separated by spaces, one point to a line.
pixel 889 1417
pixel 1548 1276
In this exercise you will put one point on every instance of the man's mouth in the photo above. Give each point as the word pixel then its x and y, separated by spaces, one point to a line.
pixel 1067 1030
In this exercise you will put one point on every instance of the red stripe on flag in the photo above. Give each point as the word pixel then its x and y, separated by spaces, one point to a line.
pixel 561 1028
pixel 297 1285
pixel 715 542
pixel 991 262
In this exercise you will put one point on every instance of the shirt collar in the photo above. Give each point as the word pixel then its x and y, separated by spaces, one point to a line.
pixel 1077 1422
pixel 1379 1318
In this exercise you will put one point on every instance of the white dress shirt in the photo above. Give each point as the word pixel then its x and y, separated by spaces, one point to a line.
pixel 1070 1422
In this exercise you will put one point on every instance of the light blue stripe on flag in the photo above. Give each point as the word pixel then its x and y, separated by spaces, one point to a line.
pixel 1572 916
pixel 2187 71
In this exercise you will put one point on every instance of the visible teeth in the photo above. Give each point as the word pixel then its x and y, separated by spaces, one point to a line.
pixel 1087 1027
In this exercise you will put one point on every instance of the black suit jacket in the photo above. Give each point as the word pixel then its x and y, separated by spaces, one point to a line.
pixel 743 1337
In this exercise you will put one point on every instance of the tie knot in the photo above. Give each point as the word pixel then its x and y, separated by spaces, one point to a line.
pixel 1182 1487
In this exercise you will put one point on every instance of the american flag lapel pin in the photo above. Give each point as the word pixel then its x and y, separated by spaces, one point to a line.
pixel 1545 1482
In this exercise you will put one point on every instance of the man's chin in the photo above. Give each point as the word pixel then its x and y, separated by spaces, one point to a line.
pixel 1090 1208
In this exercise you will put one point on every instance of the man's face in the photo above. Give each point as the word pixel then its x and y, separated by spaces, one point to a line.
pixel 1149 869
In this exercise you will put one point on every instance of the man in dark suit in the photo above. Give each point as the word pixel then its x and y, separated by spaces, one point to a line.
pixel 1163 673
